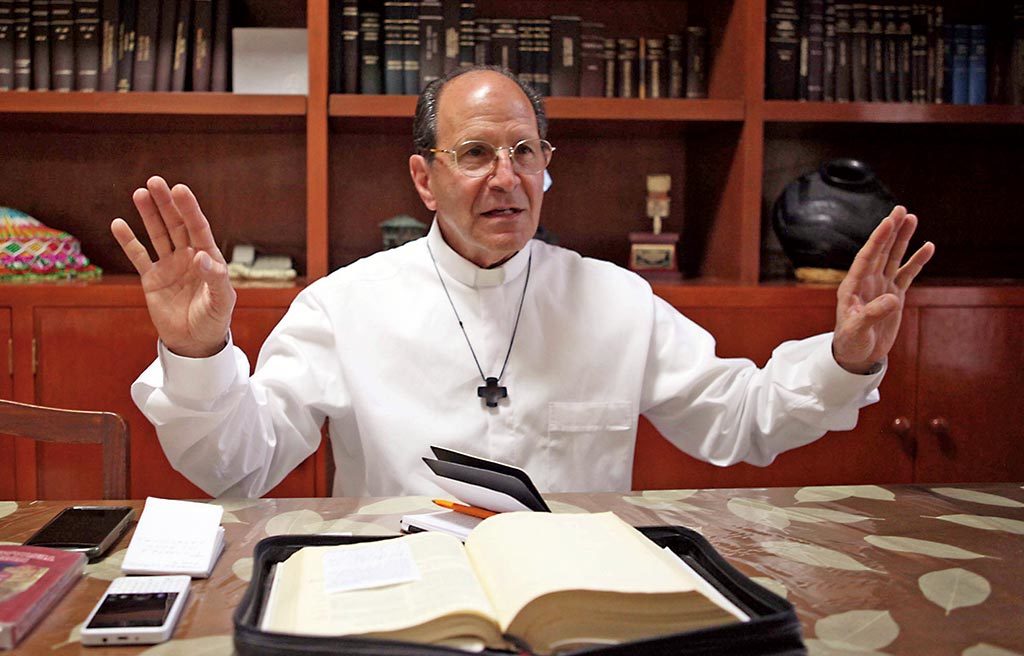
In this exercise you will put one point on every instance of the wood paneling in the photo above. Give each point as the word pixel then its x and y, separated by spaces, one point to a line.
pixel 8 490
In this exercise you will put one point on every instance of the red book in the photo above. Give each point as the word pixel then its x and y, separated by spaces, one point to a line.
pixel 32 580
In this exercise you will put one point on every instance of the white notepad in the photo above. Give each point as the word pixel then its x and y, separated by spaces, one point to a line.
pixel 176 537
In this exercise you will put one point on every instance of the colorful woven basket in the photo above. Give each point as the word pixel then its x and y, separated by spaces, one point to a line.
pixel 31 251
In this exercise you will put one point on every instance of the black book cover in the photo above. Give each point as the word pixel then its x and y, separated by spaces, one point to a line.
pixel 410 47
pixel 591 59
pixel 890 45
pixel 165 45
pixel 803 33
pixel 935 58
pixel 565 55
pixel 828 57
pixel 904 53
pixel 335 54
pixel 627 55
pixel 676 55
pixel 41 45
pixel 656 68
pixel 110 43
pixel 815 50
pixel 782 59
pixel 876 54
pixel 542 55
pixel 1000 41
pixel 371 75
pixel 147 31
pixel 220 60
pixel 961 54
pixel 431 41
pixel 180 69
pixel 87 45
pixel 505 43
pixel 349 53
pixel 1016 67
pixel 127 15
pixel 202 44
pixel 844 46
pixel 6 45
pixel 697 61
pixel 611 69
pixel 450 13
pixel 919 53
pixel 947 63
pixel 977 65
pixel 467 32
pixel 62 45
pixel 392 35
pixel 22 45
pixel 860 66
pixel 481 41
pixel 527 50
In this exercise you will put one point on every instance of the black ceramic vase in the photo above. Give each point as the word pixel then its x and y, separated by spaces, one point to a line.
pixel 824 217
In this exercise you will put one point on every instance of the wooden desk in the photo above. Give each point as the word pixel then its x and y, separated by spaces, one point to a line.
pixel 895 569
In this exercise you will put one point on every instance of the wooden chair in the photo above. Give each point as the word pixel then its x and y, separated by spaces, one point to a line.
pixel 76 427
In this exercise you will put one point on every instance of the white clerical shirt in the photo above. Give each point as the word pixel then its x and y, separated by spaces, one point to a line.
pixel 375 348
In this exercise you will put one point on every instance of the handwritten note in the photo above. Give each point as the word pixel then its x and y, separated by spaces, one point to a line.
pixel 175 537
pixel 373 565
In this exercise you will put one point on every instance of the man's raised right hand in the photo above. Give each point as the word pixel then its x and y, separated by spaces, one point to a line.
pixel 187 287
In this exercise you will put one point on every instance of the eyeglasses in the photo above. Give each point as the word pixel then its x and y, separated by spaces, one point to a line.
pixel 478 158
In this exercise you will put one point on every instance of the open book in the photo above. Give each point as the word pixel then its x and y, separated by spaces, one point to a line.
pixel 547 582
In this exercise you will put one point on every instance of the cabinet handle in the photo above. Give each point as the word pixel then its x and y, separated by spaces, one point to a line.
pixel 939 426
pixel 902 428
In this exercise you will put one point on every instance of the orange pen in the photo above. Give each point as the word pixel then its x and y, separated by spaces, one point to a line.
pixel 482 513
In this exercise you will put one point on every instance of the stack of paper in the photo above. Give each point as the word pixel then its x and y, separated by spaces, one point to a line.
pixel 176 537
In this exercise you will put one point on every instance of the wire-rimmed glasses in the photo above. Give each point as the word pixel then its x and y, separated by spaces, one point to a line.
pixel 478 158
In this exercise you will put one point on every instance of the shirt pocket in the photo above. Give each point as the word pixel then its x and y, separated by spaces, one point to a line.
pixel 590 417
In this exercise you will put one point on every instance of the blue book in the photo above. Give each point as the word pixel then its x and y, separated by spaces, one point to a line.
pixel 977 66
pixel 961 49
pixel 947 63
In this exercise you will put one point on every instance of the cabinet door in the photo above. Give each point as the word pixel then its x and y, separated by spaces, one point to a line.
pixel 88 358
pixel 869 453
pixel 970 423
pixel 7 488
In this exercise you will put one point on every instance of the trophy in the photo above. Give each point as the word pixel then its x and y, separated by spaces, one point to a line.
pixel 653 254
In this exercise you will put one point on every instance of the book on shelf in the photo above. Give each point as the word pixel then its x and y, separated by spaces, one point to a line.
pixel 180 78
pixel 876 53
pixel 482 41
pixel 391 31
pixel 828 54
pixel 32 580
pixel 565 55
pixel 62 45
pixel 127 17
pixel 109 44
pixel 536 581
pixel 87 45
pixel 505 43
pixel 961 53
pixel 6 45
pixel 782 58
pixel 1015 74
pixel 627 56
pixel 611 67
pixel 450 24
pixel 844 46
pixel 164 67
pixel 467 33
pixel 904 53
pixel 371 74
pixel 22 13
pixel 859 56
pixel 431 42
pixel 410 31
pixel 655 69
pixel 40 45
pixel 697 61
pixel 812 65
pixel 676 65
pixel 542 55
pixel 220 58
pixel 147 31
pixel 890 45
pixel 202 31
pixel 936 79
pixel 977 65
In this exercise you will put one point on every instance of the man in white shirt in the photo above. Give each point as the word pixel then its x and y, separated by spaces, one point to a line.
pixel 478 339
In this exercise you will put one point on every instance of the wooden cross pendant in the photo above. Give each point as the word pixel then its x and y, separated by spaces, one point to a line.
pixel 492 392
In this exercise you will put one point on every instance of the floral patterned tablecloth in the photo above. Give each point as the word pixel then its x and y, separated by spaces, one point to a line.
pixel 893 569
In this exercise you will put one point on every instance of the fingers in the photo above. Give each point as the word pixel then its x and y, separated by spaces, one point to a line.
pixel 874 254
pixel 899 248
pixel 909 271
pixel 154 222
pixel 169 211
pixel 131 246
pixel 198 228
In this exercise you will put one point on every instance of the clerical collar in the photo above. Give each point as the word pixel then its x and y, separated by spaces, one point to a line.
pixel 468 273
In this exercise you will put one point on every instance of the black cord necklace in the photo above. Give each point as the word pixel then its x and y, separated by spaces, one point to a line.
pixel 491 391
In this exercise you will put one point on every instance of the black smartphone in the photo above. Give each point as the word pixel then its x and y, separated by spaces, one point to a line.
pixel 91 530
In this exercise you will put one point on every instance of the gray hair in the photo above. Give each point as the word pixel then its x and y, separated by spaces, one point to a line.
pixel 424 126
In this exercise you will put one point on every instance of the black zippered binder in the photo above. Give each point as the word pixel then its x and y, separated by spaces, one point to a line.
pixel 773 628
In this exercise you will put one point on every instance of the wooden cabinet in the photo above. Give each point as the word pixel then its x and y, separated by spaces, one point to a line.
pixel 7 488
pixel 312 177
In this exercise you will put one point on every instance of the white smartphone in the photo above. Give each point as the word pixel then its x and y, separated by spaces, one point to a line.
pixel 137 610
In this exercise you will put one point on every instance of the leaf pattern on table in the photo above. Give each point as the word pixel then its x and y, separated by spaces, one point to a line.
pixel 234 505
pixel 954 588
pixel 974 496
pixel 7 507
pixel 758 512
pixel 663 500
pixel 218 645
pixel 923 547
pixel 835 492
pixel 74 635
pixel 242 568
pixel 397 506
pixel 771 584
pixel 107 569
pixel 814 515
pixel 563 507
pixel 985 649
pixel 857 630
pixel 985 522
pixel 812 554
pixel 294 521
pixel 821 648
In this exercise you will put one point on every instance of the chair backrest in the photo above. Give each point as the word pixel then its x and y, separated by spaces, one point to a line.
pixel 75 426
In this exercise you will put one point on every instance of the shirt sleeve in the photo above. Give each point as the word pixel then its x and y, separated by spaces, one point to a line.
pixel 727 410
pixel 236 435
